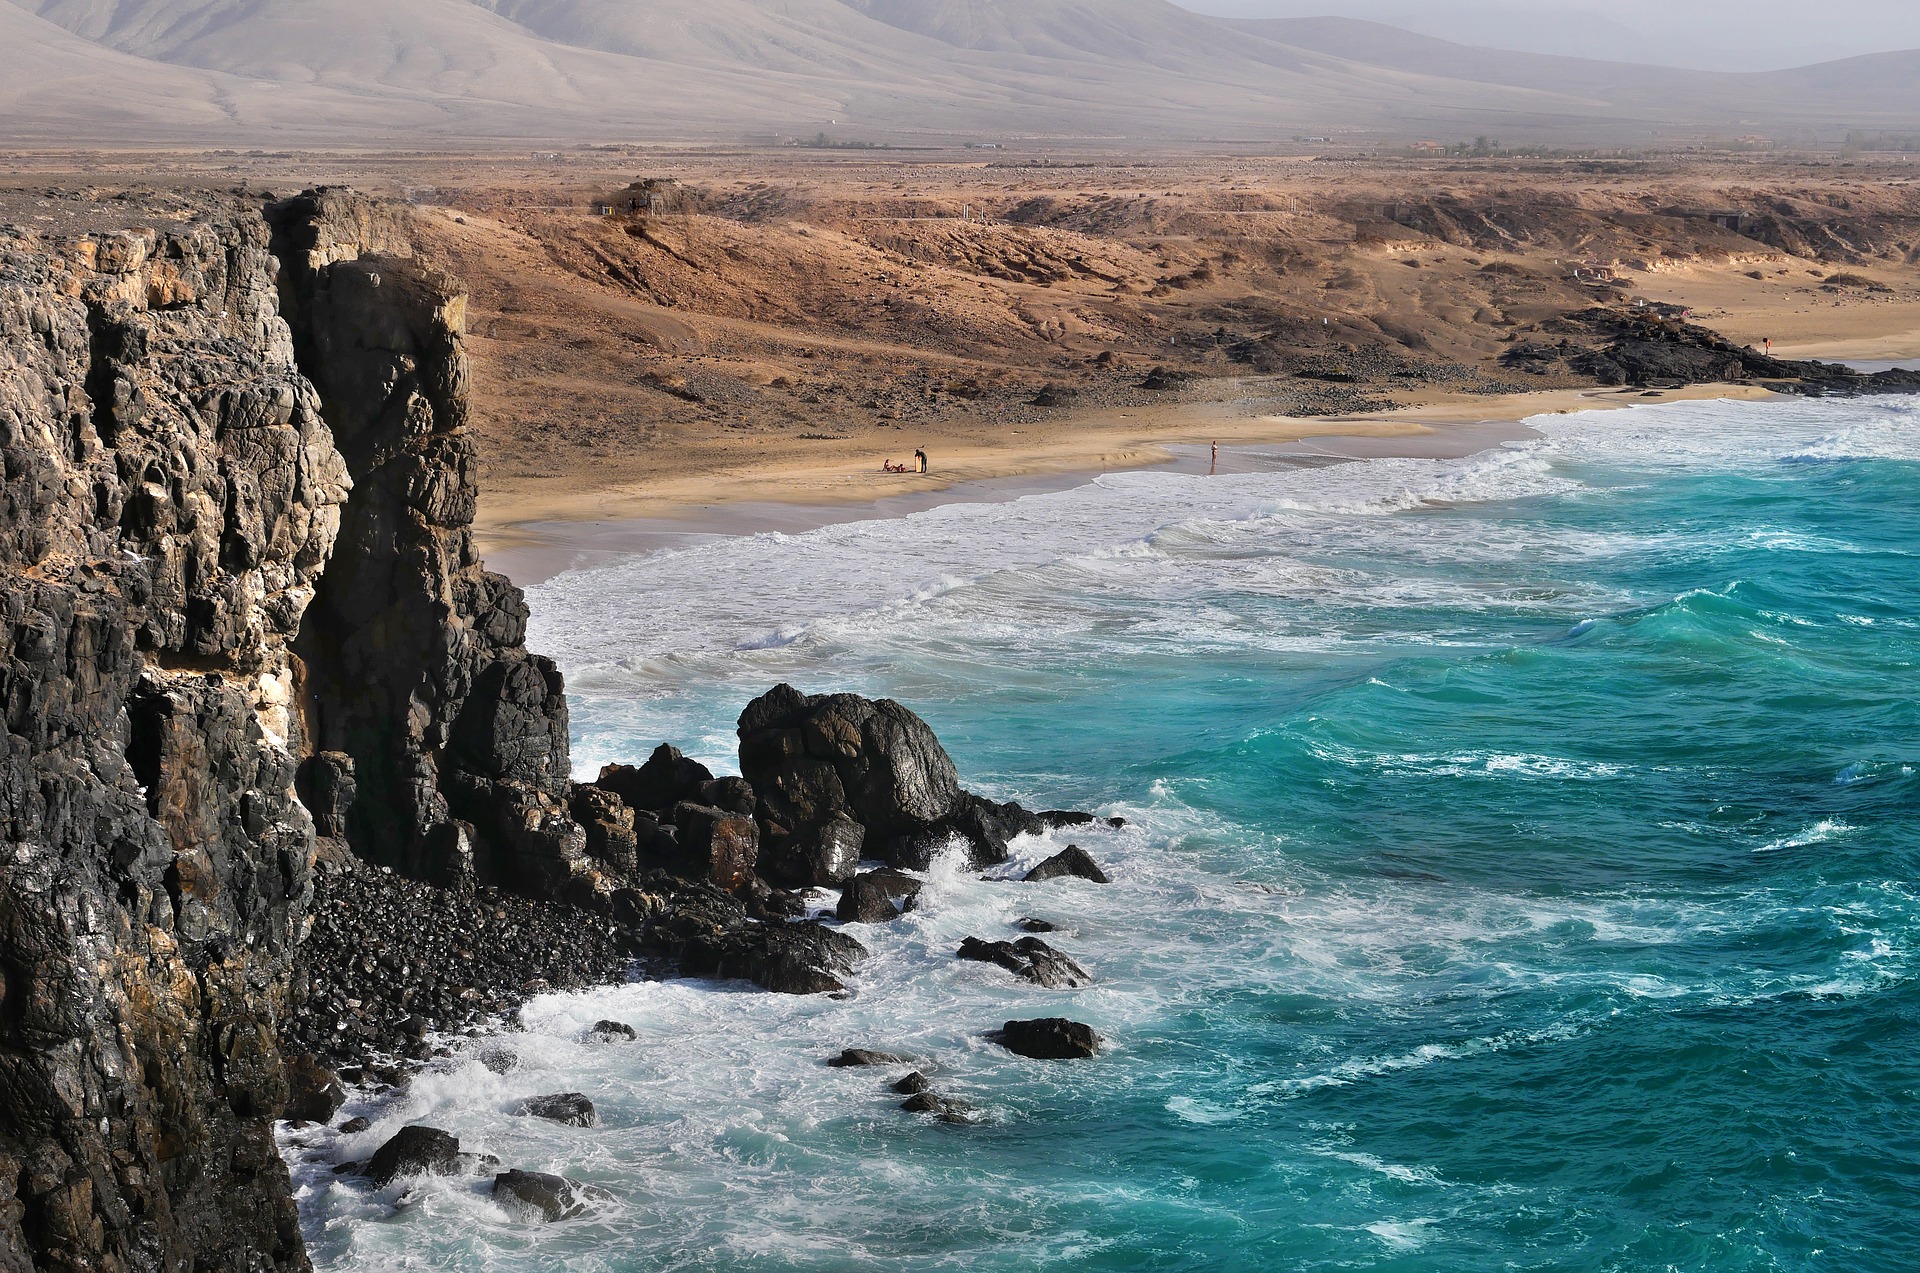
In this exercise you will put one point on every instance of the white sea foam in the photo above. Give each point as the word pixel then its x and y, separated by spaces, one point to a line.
pixel 730 1145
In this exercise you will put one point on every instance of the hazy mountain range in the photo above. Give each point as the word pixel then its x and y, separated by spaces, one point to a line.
pixel 430 71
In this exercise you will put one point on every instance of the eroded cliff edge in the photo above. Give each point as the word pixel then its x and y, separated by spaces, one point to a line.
pixel 278 774
pixel 178 655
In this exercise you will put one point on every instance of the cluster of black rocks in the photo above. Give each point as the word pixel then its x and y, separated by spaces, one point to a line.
pixel 1654 347
pixel 390 959
pixel 691 874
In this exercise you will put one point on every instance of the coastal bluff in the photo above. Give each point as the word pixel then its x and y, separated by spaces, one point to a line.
pixel 282 787
pixel 243 625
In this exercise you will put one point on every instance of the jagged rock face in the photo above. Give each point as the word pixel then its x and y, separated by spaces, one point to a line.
pixel 414 651
pixel 170 498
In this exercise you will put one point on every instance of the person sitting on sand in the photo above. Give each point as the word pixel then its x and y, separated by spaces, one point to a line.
pixel 888 466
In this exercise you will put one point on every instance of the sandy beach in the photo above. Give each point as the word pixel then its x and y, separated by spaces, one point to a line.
pixel 531 535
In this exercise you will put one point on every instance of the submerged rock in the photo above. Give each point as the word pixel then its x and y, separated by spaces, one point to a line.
pixel 865 1056
pixel 946 1109
pixel 537 1196
pixel 1072 860
pixel 1049 1039
pixel 570 1108
pixel 608 1031
pixel 1030 959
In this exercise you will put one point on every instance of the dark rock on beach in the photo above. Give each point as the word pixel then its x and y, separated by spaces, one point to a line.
pixel 389 958
pixel 1029 959
pixel 570 1108
pixel 537 1196
pixel 1070 861
pixel 665 780
pixel 1049 1039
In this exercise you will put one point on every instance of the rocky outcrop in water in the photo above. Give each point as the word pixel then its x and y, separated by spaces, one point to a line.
pixel 818 762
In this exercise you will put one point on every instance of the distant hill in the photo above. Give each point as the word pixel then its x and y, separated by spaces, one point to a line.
pixel 368 71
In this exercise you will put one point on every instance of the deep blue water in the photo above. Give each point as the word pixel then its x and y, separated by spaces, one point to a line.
pixel 1520 875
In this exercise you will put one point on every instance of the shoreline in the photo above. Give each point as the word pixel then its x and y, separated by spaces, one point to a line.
pixel 531 539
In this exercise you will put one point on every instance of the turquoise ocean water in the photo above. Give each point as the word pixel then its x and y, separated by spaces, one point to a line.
pixel 1520 874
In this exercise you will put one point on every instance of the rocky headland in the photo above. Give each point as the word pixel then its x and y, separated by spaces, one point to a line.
pixel 286 798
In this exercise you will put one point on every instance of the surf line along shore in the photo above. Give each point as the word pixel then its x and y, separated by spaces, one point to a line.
pixel 531 535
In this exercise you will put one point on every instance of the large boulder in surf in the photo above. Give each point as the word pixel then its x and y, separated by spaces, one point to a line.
pixel 877 897
pixel 416 1150
pixel 573 1109
pixel 540 1197
pixel 1029 959
pixel 816 759
pixel 1049 1039
pixel 1071 861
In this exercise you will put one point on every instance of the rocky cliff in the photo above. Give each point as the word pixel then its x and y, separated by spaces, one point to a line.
pixel 279 779
pixel 234 566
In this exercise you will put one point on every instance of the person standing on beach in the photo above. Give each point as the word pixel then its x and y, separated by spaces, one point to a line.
pixel 920 459
pixel 1213 465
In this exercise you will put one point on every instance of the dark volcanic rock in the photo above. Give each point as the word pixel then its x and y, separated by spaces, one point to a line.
pixel 415 1151
pixel 1055 819
pixel 946 1109
pixel 570 1108
pixel 815 759
pixel 390 958
pixel 912 1084
pixel 169 497
pixel 877 897
pixel 314 1092
pixel 1030 959
pixel 536 1196
pixel 1654 346
pixel 1049 1039
pixel 716 845
pixel 414 652
pixel 826 859
pixel 801 958
pixel 1072 860
pixel 665 780
pixel 865 1056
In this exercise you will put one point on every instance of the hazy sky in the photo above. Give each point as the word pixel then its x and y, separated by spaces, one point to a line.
pixel 1715 34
